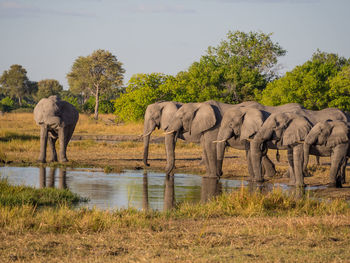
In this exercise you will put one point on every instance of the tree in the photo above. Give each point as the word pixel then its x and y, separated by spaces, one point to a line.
pixel 142 90
pixel 339 92
pixel 48 87
pixel 243 64
pixel 96 73
pixel 307 84
pixel 15 82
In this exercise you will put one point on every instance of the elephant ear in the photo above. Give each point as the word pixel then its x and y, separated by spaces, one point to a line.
pixel 167 113
pixel 296 131
pixel 39 112
pixel 67 113
pixel 312 136
pixel 204 118
pixel 252 121
pixel 339 134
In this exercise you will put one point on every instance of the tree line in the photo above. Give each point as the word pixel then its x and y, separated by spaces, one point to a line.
pixel 243 66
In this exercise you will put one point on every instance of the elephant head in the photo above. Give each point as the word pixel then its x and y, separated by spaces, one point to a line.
pixel 157 115
pixel 283 130
pixel 194 118
pixel 47 112
pixel 326 133
pixel 242 123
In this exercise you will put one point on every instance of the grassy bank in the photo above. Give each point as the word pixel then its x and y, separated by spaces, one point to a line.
pixel 237 227
pixel 24 195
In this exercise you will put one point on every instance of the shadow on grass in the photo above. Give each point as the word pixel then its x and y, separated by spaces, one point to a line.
pixel 15 136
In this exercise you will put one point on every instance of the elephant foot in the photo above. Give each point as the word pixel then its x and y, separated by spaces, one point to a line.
pixel 257 180
pixel 332 185
pixel 54 160
pixel 300 185
pixel 41 161
pixel 291 182
pixel 64 160
pixel 286 174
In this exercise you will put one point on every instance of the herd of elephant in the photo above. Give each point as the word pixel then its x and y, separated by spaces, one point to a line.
pixel 248 126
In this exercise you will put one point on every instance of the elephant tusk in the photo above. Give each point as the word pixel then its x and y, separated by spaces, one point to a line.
pixel 141 135
pixel 249 140
pixel 299 141
pixel 219 141
pixel 169 132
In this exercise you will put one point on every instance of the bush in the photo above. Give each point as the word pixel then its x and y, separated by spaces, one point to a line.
pixel 7 104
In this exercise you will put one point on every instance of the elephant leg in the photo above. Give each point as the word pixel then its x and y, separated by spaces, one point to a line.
pixel 210 150
pixel 62 133
pixel 249 163
pixel 298 161
pixel 52 143
pixel 290 167
pixel 337 160
pixel 268 166
pixel 343 171
pixel 43 144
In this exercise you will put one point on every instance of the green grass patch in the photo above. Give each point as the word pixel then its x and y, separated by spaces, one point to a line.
pixel 274 203
pixel 23 217
pixel 24 195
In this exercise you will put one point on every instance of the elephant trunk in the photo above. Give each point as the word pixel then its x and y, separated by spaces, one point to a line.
pixel 223 136
pixel 53 122
pixel 146 138
pixel 256 159
pixel 170 152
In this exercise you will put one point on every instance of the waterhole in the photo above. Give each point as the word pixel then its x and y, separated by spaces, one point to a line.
pixel 138 189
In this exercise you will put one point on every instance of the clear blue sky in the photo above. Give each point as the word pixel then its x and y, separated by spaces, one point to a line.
pixel 46 36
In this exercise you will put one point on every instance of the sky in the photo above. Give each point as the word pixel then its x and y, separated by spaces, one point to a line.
pixel 164 36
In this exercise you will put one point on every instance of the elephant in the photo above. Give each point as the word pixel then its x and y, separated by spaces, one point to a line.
pixel 288 131
pixel 243 123
pixel 202 121
pixel 57 120
pixel 284 131
pixel 330 138
pixel 157 115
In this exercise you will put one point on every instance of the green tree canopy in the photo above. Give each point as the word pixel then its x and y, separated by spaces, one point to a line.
pixel 48 87
pixel 242 64
pixel 339 92
pixel 15 83
pixel 96 73
pixel 307 84
pixel 142 90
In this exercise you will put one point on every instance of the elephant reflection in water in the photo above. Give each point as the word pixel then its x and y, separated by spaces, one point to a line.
pixel 62 178
pixel 169 192
pixel 210 187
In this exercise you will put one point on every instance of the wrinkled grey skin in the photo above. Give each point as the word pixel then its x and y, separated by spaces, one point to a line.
pixel 202 121
pixel 330 138
pixel 157 115
pixel 57 120
pixel 243 123
pixel 288 131
pixel 284 131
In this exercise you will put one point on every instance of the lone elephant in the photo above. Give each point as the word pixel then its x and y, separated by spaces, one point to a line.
pixel 57 120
